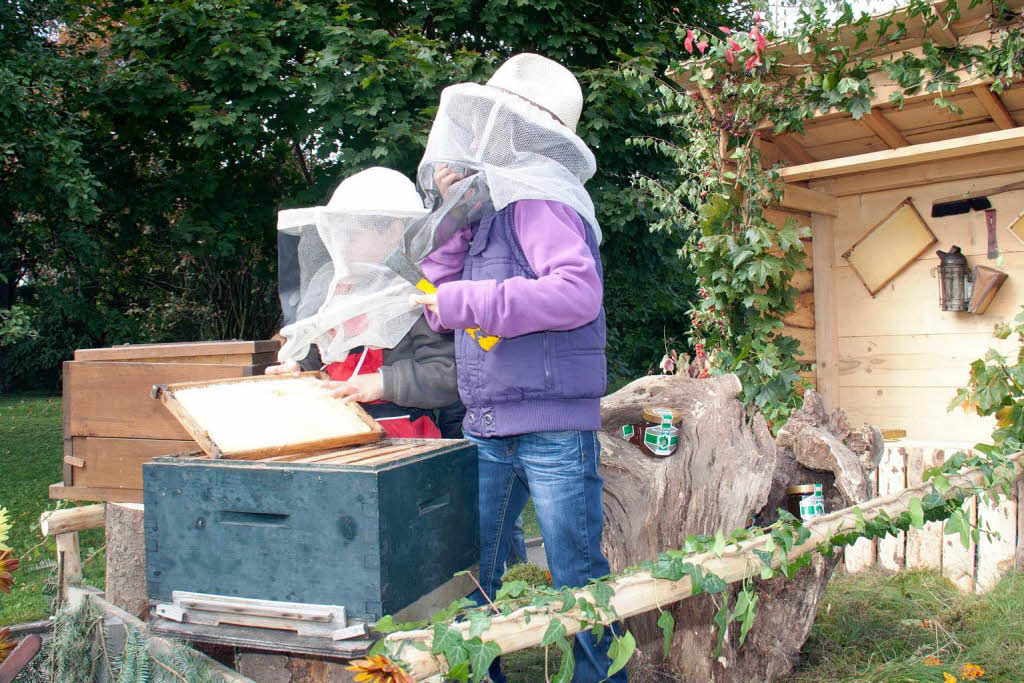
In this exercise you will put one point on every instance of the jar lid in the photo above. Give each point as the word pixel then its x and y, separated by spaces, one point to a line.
pixel 800 488
pixel 656 413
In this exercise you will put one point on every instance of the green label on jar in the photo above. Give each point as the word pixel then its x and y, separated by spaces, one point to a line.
pixel 627 431
pixel 661 440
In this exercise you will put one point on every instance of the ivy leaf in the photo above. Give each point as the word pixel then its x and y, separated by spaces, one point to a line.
pixel 719 546
pixel 859 106
pixel 479 621
pixel 511 589
pixel 568 666
pixel 848 85
pixel 481 655
pixel 459 672
pixel 556 630
pixel 722 622
pixel 448 642
pixel 959 524
pixel 667 623
pixel 941 483
pixel 602 593
pixel 916 513
pixel 620 651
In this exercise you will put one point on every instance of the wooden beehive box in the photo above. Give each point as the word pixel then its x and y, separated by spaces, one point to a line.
pixel 326 520
pixel 110 424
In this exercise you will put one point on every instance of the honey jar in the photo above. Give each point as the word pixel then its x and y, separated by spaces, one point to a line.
pixel 658 432
pixel 805 501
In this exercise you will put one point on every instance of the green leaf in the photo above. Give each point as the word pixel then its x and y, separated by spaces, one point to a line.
pixel 481 655
pixel 722 622
pixel 479 621
pixel 719 546
pixel 959 524
pixel 620 651
pixel 667 623
pixel 554 632
pixel 916 513
pixel 448 642
pixel 941 483
pixel 459 672
pixel 568 666
pixel 511 589
pixel 602 593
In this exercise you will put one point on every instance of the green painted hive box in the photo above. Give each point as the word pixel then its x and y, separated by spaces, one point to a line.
pixel 372 528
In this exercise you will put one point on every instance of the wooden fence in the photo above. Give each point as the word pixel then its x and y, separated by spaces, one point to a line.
pixel 976 568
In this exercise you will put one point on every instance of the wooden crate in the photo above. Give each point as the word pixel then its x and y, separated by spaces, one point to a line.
pixel 371 528
pixel 111 426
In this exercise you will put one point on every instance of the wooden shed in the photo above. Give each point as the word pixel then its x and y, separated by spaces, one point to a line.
pixel 894 358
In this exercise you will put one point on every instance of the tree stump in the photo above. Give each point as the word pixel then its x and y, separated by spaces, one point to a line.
pixel 728 472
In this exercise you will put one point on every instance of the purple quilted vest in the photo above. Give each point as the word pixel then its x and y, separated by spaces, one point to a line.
pixel 544 381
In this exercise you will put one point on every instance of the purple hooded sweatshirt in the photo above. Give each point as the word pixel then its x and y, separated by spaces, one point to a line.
pixel 530 274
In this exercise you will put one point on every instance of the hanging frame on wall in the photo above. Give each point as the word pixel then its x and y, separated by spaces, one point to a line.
pixel 1016 227
pixel 890 246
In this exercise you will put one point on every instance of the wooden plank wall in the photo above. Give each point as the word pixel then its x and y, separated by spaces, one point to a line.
pixel 972 568
pixel 899 357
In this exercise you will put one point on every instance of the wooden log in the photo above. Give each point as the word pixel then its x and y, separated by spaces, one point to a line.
pixel 924 546
pixel 126 558
pixel 69 557
pixel 640 592
pixel 55 522
pixel 892 477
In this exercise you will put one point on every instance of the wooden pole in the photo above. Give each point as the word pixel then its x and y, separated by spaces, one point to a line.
pixel 640 592
pixel 56 522
pixel 67 547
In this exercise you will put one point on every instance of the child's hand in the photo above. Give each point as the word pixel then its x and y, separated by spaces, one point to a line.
pixel 428 300
pixel 361 388
pixel 445 177
pixel 289 367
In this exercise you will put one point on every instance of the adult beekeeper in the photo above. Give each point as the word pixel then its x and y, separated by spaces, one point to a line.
pixel 526 268
pixel 350 315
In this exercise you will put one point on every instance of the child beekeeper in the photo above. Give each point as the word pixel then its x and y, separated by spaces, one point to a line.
pixel 529 272
pixel 350 315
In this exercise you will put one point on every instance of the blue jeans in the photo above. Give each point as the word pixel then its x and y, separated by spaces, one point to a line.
pixel 559 470
pixel 516 552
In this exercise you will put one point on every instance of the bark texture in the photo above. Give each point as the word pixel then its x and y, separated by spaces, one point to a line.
pixel 728 472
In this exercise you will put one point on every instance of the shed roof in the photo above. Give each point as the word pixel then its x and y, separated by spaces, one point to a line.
pixel 837 135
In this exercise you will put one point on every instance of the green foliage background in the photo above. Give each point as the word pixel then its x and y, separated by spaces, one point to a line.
pixel 147 146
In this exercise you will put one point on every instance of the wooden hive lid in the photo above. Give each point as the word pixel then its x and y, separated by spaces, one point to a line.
pixel 132 352
pixel 259 417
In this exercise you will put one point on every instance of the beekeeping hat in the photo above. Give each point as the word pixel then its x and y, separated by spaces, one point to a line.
pixel 513 139
pixel 335 291
pixel 543 82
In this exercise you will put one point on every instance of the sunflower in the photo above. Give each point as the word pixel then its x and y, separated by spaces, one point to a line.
pixel 379 669
pixel 6 643
pixel 5 529
pixel 7 565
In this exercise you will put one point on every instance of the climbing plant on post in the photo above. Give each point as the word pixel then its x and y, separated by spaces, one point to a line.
pixel 742 84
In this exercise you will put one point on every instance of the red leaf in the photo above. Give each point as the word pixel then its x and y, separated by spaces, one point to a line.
pixel 758 18
pixel 728 56
pixel 725 29
pixel 702 45
pixel 753 61
pixel 734 45
pixel 688 43
pixel 762 44
pixel 675 10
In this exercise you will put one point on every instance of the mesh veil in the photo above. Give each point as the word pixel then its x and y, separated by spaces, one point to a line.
pixel 509 150
pixel 338 294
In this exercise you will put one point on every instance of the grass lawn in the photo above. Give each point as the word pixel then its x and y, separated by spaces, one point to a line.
pixel 31 452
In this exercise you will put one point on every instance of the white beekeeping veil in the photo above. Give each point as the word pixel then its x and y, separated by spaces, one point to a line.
pixel 336 291
pixel 513 138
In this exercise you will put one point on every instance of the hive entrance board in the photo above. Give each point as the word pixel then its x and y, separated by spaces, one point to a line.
pixel 266 417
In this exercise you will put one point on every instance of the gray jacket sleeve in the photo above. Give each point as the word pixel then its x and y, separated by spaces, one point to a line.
pixel 420 371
